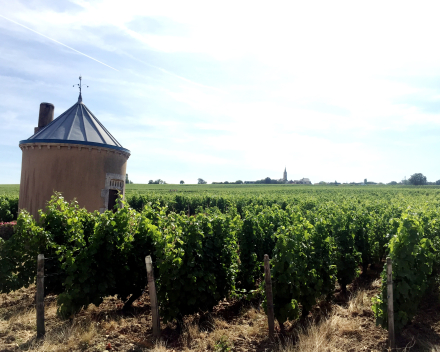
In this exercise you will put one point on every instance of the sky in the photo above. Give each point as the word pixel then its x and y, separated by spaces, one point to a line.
pixel 232 90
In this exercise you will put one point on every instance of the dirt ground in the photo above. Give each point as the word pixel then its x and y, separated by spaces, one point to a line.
pixel 345 324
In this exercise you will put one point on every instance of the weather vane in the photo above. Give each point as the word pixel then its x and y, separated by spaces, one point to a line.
pixel 79 85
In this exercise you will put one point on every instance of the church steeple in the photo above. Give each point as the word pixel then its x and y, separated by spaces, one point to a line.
pixel 285 175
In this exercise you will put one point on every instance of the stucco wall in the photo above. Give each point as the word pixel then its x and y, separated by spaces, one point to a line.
pixel 77 171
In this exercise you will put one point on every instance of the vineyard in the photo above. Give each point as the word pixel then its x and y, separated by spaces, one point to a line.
pixel 208 245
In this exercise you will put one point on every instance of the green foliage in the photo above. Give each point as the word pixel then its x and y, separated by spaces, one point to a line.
pixel 223 345
pixel 68 228
pixel 257 238
pixel 110 261
pixel 209 245
pixel 302 267
pixel 413 250
pixel 417 179
pixel 8 208
pixel 10 190
pixel 196 260
pixel 60 227
pixel 18 255
pixel 347 258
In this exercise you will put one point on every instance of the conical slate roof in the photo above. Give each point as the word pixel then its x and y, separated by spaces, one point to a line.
pixel 76 125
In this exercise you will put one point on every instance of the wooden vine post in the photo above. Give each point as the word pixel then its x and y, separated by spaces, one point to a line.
pixel 390 299
pixel 40 296
pixel 153 296
pixel 269 296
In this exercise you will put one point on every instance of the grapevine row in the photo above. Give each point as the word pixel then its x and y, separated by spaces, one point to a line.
pixel 217 250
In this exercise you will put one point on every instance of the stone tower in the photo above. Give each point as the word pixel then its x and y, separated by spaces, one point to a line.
pixel 285 175
pixel 75 155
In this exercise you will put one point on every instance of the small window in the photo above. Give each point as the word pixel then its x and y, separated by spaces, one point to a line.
pixel 112 199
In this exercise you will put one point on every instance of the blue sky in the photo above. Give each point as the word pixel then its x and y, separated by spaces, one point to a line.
pixel 232 90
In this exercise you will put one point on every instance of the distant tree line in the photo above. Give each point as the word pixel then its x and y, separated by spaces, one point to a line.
pixel 157 182
pixel 268 180
pixel 417 179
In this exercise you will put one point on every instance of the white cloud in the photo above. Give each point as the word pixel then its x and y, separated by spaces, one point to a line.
pixel 245 87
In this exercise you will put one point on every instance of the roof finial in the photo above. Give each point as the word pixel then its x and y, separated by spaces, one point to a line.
pixel 79 85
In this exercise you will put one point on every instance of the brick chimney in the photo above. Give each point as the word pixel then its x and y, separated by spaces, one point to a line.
pixel 45 117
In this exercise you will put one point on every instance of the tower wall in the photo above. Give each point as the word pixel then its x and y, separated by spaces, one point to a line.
pixel 80 172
